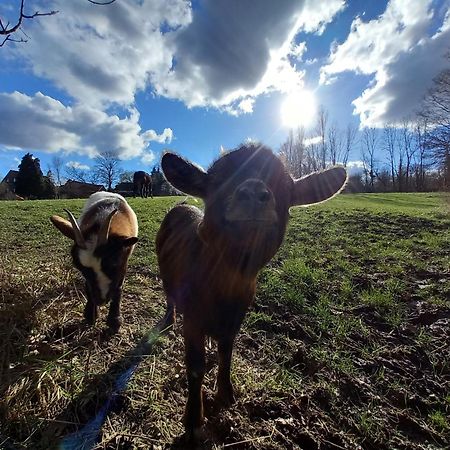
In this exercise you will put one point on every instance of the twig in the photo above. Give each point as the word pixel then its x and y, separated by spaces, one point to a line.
pixel 7 30
pixel 101 3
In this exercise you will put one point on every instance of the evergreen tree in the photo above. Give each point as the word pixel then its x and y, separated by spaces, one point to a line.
pixel 30 181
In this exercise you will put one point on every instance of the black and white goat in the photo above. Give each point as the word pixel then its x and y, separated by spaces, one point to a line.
pixel 104 237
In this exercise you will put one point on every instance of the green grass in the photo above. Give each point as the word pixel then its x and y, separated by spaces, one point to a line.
pixel 347 342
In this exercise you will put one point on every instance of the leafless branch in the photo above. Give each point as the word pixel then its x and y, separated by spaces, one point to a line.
pixel 102 3
pixel 7 29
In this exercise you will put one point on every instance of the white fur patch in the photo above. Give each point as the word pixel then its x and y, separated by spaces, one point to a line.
pixel 87 259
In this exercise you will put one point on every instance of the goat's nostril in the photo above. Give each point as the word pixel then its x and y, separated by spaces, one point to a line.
pixel 244 194
pixel 263 196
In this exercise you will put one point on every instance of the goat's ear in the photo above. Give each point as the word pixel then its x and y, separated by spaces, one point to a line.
pixel 128 242
pixel 184 176
pixel 318 186
pixel 64 226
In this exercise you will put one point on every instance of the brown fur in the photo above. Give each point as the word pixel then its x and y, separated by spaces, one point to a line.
pixel 209 261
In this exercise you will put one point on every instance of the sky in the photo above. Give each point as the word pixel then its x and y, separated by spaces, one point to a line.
pixel 138 77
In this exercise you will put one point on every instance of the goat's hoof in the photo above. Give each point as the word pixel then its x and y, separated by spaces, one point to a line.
pixel 90 320
pixel 225 398
pixel 114 323
pixel 193 436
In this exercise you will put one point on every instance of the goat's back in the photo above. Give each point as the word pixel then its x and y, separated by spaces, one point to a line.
pixel 99 206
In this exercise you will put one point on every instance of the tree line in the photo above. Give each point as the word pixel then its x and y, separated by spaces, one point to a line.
pixel 417 150
pixel 31 182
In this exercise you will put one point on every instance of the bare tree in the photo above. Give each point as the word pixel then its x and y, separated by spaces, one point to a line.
pixel 107 168
pixel 321 129
pixel 80 174
pixel 293 152
pixel 350 140
pixel 390 135
pixel 57 165
pixel 409 149
pixel 335 144
pixel 436 111
pixel 369 146
pixel 421 159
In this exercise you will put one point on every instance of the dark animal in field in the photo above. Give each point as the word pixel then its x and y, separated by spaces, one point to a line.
pixel 209 260
pixel 104 237
pixel 142 184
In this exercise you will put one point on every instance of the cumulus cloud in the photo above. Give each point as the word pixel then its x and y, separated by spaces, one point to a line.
pixel 218 54
pixel 104 55
pixel 232 50
pixel 164 138
pixel 42 123
pixel 396 49
pixel 148 157
pixel 313 140
pixel 77 165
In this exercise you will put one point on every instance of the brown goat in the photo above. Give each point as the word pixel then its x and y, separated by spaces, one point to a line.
pixel 209 261
pixel 104 238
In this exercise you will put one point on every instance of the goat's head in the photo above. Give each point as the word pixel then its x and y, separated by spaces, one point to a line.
pixel 99 255
pixel 247 195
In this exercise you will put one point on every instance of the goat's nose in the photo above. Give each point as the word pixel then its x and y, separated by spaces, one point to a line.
pixel 263 196
pixel 255 191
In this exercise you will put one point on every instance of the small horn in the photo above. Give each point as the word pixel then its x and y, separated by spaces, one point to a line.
pixel 104 230
pixel 79 239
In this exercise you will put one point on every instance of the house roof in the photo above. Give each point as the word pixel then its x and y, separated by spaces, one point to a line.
pixel 11 173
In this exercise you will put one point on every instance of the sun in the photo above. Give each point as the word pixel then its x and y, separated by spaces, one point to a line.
pixel 298 109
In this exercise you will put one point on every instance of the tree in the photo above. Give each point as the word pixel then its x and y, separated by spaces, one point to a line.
pixel 391 144
pixel 335 144
pixel 76 173
pixel 126 176
pixel 369 146
pixel 436 112
pixel 293 152
pixel 321 129
pixel 107 169
pixel 350 140
pixel 57 165
pixel 30 181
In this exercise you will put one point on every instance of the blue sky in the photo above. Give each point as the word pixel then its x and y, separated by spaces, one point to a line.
pixel 138 77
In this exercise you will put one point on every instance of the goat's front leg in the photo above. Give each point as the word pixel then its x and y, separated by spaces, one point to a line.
pixel 91 309
pixel 114 320
pixel 225 395
pixel 194 342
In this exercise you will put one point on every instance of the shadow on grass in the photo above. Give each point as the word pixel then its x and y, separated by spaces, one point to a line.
pixel 102 396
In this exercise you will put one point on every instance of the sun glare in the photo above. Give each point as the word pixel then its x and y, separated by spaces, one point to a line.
pixel 298 109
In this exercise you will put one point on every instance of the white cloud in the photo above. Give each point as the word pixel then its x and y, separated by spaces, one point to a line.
pixel 312 140
pixel 222 54
pixel 396 49
pixel 355 167
pixel 232 51
pixel 246 105
pixel 104 55
pixel 43 123
pixel 77 165
pixel 148 157
pixel 164 138
pixel 298 50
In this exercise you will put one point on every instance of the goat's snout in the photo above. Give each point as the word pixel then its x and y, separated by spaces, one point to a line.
pixel 253 192
pixel 252 202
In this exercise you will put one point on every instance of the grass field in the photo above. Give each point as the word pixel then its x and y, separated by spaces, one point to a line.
pixel 347 344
